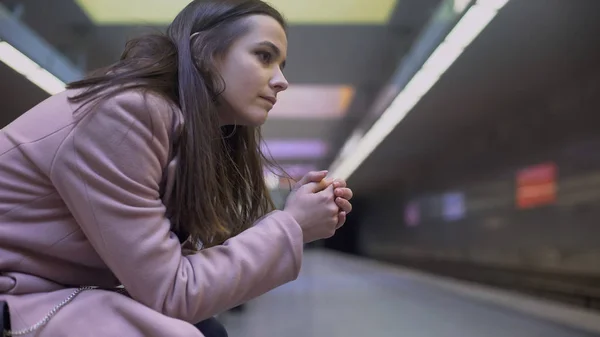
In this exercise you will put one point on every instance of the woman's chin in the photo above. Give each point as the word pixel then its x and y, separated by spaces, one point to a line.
pixel 256 117
pixel 259 118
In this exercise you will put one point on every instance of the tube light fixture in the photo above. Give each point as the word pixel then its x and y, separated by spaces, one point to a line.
pixel 464 32
pixel 29 69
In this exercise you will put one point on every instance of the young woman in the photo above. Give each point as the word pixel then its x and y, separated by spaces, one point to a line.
pixel 133 203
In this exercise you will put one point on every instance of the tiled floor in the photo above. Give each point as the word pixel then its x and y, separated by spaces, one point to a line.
pixel 338 296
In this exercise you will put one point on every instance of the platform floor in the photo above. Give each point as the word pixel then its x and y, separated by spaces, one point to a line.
pixel 338 295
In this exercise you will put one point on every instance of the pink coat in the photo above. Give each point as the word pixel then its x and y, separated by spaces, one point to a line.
pixel 80 205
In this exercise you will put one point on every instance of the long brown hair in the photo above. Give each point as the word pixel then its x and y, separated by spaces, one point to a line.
pixel 219 186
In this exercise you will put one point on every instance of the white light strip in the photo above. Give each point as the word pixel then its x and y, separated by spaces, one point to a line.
pixel 29 69
pixel 465 31
pixel 271 180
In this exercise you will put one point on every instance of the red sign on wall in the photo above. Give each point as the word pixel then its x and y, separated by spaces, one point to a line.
pixel 537 186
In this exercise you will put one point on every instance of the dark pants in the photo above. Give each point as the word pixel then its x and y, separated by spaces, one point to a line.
pixel 4 318
pixel 211 328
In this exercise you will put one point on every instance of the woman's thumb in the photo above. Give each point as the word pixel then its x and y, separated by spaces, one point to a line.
pixel 313 176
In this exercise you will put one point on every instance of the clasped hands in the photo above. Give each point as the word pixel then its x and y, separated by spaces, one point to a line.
pixel 320 205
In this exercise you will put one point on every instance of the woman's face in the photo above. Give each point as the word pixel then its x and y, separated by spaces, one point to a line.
pixel 252 71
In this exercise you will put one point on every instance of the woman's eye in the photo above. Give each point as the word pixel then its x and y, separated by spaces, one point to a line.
pixel 264 57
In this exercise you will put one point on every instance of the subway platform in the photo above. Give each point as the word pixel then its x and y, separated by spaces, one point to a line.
pixel 347 296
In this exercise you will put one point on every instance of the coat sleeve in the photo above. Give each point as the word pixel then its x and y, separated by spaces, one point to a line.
pixel 108 171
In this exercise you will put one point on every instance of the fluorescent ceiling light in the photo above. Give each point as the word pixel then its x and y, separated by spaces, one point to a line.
pixel 271 180
pixel 461 36
pixel 351 143
pixel 162 12
pixel 29 69
pixel 294 149
pixel 313 102
pixel 274 178
pixel 296 171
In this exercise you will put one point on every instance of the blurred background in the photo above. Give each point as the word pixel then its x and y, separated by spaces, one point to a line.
pixel 468 131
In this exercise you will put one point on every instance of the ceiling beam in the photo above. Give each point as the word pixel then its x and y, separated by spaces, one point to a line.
pixel 21 37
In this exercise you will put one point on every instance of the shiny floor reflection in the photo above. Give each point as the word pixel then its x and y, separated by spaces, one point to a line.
pixel 339 296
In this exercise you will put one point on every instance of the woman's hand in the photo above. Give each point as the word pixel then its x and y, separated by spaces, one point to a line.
pixel 342 198
pixel 318 205
pixel 341 192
